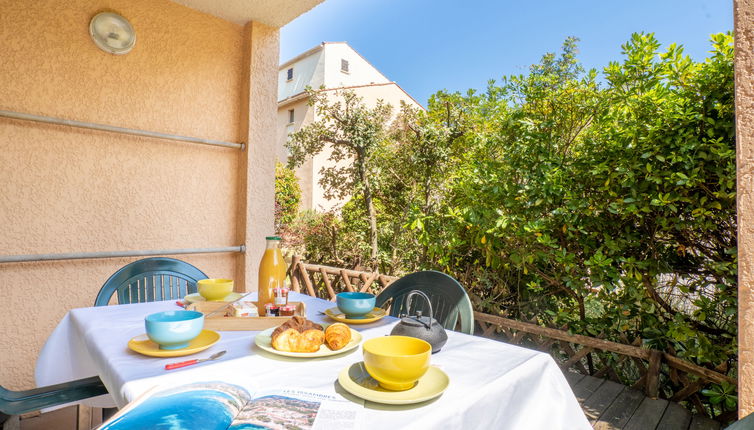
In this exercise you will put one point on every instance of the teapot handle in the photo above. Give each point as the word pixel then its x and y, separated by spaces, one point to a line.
pixel 408 305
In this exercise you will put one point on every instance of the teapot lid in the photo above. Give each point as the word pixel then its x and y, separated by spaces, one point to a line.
pixel 417 320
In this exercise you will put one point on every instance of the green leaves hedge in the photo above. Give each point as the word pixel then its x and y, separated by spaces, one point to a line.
pixel 601 201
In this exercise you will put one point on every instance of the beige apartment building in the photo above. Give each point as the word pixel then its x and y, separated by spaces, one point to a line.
pixel 333 66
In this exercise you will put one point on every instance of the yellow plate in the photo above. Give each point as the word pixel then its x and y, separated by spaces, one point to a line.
pixel 374 315
pixel 196 297
pixel 264 341
pixel 357 381
pixel 143 345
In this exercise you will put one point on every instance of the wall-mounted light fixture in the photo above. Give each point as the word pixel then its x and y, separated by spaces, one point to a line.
pixel 112 33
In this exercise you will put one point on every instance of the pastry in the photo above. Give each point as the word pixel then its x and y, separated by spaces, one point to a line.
pixel 337 336
pixel 298 335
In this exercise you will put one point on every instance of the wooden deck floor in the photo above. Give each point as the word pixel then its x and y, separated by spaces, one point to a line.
pixel 609 405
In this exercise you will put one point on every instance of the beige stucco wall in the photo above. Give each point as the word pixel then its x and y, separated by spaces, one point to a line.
pixel 72 190
pixel 743 14
pixel 257 185
pixel 360 71
pixel 309 71
pixel 303 114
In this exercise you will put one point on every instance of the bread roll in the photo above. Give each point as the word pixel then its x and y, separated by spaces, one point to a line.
pixel 310 340
pixel 298 335
pixel 337 336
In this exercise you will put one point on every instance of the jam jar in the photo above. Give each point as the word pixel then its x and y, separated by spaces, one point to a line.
pixel 287 311
pixel 271 310
pixel 280 296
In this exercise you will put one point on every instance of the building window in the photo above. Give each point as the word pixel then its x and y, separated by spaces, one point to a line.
pixel 344 66
pixel 291 116
pixel 290 74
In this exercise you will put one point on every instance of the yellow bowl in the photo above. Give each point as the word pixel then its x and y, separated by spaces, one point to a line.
pixel 396 362
pixel 215 289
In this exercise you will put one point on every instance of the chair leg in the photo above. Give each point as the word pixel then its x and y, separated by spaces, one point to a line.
pixel 84 417
pixel 107 413
pixel 91 417
pixel 10 422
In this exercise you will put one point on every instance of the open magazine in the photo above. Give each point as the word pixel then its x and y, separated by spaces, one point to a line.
pixel 223 406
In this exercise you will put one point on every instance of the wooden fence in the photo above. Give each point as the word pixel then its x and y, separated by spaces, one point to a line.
pixel 315 280
pixel 657 373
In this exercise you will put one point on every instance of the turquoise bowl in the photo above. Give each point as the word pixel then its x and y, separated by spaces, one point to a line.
pixel 174 329
pixel 355 304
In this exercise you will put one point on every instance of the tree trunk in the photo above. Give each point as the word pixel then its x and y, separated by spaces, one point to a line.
pixel 582 317
pixel 369 205
pixel 425 212
pixel 372 222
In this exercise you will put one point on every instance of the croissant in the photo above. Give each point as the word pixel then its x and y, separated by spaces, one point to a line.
pixel 337 336
pixel 298 335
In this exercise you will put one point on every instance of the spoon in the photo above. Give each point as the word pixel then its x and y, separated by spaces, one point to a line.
pixel 214 356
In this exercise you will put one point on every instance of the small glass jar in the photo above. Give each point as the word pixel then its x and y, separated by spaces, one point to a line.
pixel 287 311
pixel 280 296
pixel 271 310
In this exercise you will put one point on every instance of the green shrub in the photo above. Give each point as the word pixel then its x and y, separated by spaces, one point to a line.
pixel 287 196
pixel 603 204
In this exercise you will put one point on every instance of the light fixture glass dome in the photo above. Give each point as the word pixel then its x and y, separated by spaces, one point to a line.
pixel 112 33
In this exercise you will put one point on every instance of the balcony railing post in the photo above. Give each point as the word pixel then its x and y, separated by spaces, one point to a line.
pixel 294 273
pixel 652 386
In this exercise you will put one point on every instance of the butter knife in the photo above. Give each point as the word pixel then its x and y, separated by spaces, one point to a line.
pixel 222 308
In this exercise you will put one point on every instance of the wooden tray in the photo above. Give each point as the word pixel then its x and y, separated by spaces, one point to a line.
pixel 220 322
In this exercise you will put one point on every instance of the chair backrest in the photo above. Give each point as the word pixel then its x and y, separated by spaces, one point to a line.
pixel 150 280
pixel 450 303
pixel 745 423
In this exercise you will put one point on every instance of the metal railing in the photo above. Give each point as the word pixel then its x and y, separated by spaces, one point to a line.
pixel 114 129
pixel 116 254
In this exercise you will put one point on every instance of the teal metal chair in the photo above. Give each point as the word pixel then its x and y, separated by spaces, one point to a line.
pixel 745 423
pixel 450 303
pixel 149 280
pixel 146 280
pixel 21 402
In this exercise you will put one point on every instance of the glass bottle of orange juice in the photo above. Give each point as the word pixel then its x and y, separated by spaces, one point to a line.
pixel 272 270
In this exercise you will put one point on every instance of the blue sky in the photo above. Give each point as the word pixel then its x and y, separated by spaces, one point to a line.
pixel 426 46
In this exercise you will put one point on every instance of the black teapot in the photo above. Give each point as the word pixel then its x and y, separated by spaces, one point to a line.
pixel 421 327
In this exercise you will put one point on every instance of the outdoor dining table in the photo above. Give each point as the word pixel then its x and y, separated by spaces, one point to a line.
pixel 493 385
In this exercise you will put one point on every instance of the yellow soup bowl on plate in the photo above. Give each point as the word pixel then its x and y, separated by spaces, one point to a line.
pixel 215 289
pixel 396 362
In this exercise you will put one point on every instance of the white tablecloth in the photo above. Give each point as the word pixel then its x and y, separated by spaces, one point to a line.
pixel 493 385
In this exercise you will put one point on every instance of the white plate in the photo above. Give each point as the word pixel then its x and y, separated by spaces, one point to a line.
pixel 264 341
